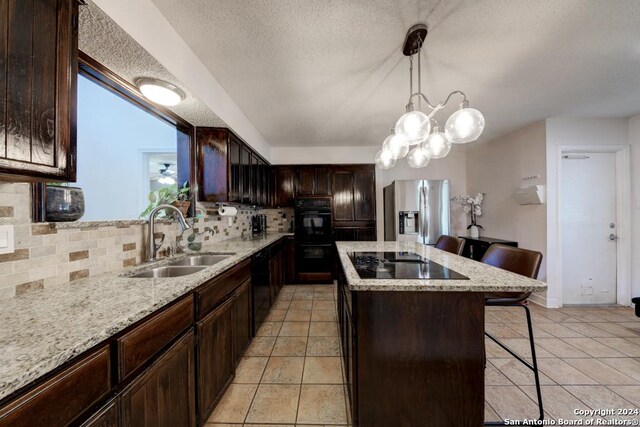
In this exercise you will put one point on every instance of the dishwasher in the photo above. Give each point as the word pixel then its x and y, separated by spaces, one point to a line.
pixel 260 285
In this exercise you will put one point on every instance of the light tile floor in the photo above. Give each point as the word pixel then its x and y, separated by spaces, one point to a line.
pixel 291 374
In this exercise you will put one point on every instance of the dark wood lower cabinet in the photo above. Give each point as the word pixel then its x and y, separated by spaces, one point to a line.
pixel 164 394
pixel 413 358
pixel 241 320
pixel 276 271
pixel 107 416
pixel 168 369
pixel 215 357
pixel 64 397
pixel 290 260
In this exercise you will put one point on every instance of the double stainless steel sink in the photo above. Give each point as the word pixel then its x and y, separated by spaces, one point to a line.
pixel 183 267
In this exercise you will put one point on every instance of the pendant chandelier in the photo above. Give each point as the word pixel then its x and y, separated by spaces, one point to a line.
pixel 417 135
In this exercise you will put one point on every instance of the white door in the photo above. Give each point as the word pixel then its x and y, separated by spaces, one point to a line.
pixel 588 221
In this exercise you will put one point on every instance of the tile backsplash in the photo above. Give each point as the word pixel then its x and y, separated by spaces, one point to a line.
pixel 50 254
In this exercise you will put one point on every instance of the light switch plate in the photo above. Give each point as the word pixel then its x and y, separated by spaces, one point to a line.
pixel 6 239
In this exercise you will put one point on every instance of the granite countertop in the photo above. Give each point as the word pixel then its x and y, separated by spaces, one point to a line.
pixel 42 330
pixel 482 277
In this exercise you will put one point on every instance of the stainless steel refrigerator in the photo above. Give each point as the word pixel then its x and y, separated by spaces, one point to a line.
pixel 418 211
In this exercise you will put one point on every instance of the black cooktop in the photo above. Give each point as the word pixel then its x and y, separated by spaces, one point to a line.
pixel 400 265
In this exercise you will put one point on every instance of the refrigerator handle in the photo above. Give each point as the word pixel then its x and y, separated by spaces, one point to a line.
pixel 420 214
pixel 424 220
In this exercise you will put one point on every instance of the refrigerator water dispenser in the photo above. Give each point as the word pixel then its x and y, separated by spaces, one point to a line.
pixel 408 222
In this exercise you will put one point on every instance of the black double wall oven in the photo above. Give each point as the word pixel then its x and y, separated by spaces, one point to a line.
pixel 313 235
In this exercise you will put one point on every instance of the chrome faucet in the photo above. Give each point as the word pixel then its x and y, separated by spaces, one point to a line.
pixel 152 248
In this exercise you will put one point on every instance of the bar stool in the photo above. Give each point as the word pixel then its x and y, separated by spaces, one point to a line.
pixel 450 244
pixel 526 263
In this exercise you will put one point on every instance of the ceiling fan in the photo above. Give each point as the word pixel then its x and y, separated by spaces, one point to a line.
pixel 165 175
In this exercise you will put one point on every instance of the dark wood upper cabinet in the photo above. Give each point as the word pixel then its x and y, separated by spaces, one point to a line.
pixel 255 191
pixel 313 181
pixel 38 75
pixel 306 178
pixel 228 169
pixel 342 186
pixel 213 151
pixel 245 167
pixel 364 194
pixel 322 182
pixel 284 186
pixel 234 177
pixel 354 202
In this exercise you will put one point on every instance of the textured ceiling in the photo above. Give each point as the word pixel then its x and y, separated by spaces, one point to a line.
pixel 106 42
pixel 330 72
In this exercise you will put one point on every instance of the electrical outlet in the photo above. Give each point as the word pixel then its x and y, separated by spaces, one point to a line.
pixel 6 239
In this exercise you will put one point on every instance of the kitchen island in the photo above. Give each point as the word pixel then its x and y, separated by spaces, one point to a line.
pixel 414 348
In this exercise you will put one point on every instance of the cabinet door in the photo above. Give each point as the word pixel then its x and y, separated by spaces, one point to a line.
pixel 38 82
pixel 344 234
pixel 107 416
pixel 241 320
pixel 366 234
pixel 245 177
pixel 263 183
pixel 273 287
pixel 322 182
pixel 215 357
pixel 342 187
pixel 305 182
pixel 63 397
pixel 253 190
pixel 235 175
pixel 164 395
pixel 290 261
pixel 364 194
pixel 284 186
pixel 212 164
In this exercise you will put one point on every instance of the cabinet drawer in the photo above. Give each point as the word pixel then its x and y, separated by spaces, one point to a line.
pixel 64 397
pixel 140 344
pixel 213 293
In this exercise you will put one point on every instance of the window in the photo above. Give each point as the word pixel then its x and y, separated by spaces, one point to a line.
pixel 124 153
pixel 127 148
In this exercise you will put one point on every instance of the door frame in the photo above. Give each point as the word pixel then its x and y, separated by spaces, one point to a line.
pixel 623 214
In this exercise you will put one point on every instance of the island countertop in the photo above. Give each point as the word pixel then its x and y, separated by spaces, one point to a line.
pixel 42 330
pixel 482 277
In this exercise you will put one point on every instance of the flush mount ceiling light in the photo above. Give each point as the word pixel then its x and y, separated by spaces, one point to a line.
pixel 159 91
pixel 414 127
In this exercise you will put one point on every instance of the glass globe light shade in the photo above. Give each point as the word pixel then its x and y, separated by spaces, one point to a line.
pixel 415 126
pixel 397 144
pixel 418 157
pixel 437 145
pixel 384 159
pixel 465 125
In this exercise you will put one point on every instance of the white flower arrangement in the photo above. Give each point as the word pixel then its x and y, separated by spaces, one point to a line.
pixel 472 206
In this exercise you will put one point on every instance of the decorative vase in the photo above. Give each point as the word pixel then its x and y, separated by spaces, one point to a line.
pixel 64 204
pixel 474 231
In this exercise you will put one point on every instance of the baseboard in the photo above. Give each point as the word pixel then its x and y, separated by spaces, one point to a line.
pixel 542 301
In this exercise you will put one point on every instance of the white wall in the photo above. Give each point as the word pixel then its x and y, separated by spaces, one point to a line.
pixel 634 142
pixel 497 168
pixel 322 155
pixel 564 131
pixel 142 20
pixel 112 134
